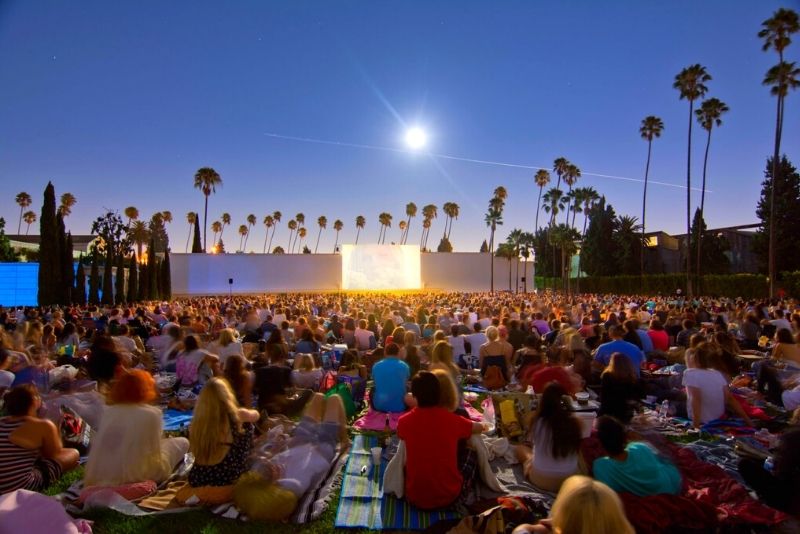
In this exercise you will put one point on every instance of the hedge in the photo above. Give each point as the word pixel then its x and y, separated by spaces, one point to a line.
pixel 727 285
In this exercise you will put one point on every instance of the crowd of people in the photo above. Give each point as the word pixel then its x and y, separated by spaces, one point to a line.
pixel 239 360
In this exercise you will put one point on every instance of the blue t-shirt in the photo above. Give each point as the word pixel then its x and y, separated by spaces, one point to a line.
pixel 390 375
pixel 643 473
pixel 647 343
pixel 604 352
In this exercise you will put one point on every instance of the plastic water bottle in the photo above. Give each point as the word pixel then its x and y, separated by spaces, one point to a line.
pixel 663 412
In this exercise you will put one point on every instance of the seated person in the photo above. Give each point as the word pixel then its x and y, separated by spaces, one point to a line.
pixel 129 446
pixel 31 453
pixel 305 374
pixel 707 392
pixel 786 350
pixel 220 436
pixel 240 379
pixel 437 469
pixel 603 354
pixel 275 392
pixel 307 345
pixel 390 375
pixel 583 505
pixel 227 345
pixel 495 353
pixel 621 390
pixel 635 468
pixel 354 374
pixel 556 436
pixel 194 364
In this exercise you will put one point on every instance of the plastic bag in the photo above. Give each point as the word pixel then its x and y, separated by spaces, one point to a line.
pixel 488 413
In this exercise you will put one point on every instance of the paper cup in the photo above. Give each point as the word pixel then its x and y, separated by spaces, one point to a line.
pixel 376 455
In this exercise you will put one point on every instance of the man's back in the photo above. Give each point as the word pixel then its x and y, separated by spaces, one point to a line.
pixel 390 375
pixel 604 352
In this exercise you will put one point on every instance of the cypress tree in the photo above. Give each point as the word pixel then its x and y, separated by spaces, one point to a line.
pixel 94 278
pixel 119 285
pixel 48 248
pixel 197 246
pixel 143 282
pixel 67 270
pixel 152 271
pixel 108 274
pixel 58 270
pixel 79 291
pixel 166 278
pixel 133 279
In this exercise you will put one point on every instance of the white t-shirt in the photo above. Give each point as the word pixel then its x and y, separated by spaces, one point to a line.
pixel 234 347
pixel 362 338
pixel 781 323
pixel 544 462
pixel 457 342
pixel 476 340
pixel 712 386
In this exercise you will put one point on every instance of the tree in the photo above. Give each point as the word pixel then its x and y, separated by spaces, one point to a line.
pixel 553 203
pixel 571 175
pixel 515 240
pixel 165 280
pixel 158 232
pixel 251 221
pixel 226 221
pixel 278 250
pixel 301 235
pixel 411 212
pixel 484 247
pixel 542 178
pixel 48 249
pixel 589 197
pixel 597 251
pixel 216 228
pixel 197 246
pixel 119 286
pixel 276 219
pixel 306 250
pixel 713 249
pixel 29 217
pixel 242 234
pixel 206 180
pixel 690 82
pixel 360 223
pixel 560 167
pixel 506 250
pixel 337 226
pixel 132 213
pixel 292 227
pixel 7 253
pixel 139 234
pixel 68 200
pixel 269 222
pixel 402 225
pixel 67 265
pixel 191 218
pixel 526 245
pixel 385 220
pixel 94 276
pixel 152 273
pixel 444 245
pixel 426 226
pixel 133 278
pixel 776 32
pixel 166 216
pixel 429 212
pixel 650 129
pixel 785 212
pixel 493 219
pixel 628 245
pixel 709 115
pixel 563 238
pixel 451 210
pixel 114 242
pixel 23 200
pixel 144 279
pixel 322 222
pixel 79 291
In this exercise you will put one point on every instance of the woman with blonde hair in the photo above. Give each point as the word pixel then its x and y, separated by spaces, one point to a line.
pixel 448 392
pixel 226 345
pixel 583 506
pixel 494 353
pixel 306 375
pixel 220 436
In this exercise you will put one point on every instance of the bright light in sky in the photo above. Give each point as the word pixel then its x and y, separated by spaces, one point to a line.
pixel 416 138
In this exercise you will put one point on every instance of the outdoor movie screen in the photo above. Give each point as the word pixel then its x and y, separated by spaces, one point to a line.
pixel 381 267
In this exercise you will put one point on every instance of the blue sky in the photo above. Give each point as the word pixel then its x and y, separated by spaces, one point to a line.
pixel 120 102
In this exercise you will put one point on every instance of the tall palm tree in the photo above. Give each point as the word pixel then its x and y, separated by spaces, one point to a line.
pixel 553 203
pixel 242 234
pixel 337 226
pixel 403 225
pixel 506 250
pixel 452 210
pixel 493 219
pixel 515 240
pixel 166 215
pixel 690 82
pixel 542 178
pixel 301 221
pixel 571 175
pixel 411 211
pixel 322 222
pixel 191 217
pixel 526 245
pixel 226 221
pixel 206 180
pixel 276 217
pixel 23 200
pixel 132 213
pixel 776 32
pixel 429 212
pixel 709 115
pixel 385 220
pixel 269 222
pixel 29 217
pixel 139 234
pixel 360 223
pixel 216 227
pixel 650 129
pixel 251 221
pixel 590 198
pixel 67 201
pixel 576 197
pixel 301 234
pixel 564 237
pixel 500 192
pixel 426 227
pixel 560 167
pixel 292 225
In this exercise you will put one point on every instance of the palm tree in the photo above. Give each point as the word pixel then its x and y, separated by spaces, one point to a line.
pixel 269 222
pixel 571 175
pixel 403 225
pixel 301 221
pixel 67 201
pixel 553 203
pixel 563 238
pixel 337 226
pixel 139 234
pixel 166 215
pixel 506 250
pixel 426 227
pixel 526 245
pixel 650 129
pixel 493 219
pixel 276 218
pixel 206 180
pixel 411 211
pixel 776 32
pixel 242 234
pixel 251 222
pixel 29 217
pixel 542 178
pixel 690 82
pixel 452 210
pixel 322 222
pixel 301 233
pixel 191 217
pixel 23 200
pixel 216 227
pixel 132 213
pixel 560 167
pixel 385 220
pixel 500 193
pixel 709 115
pixel 590 198
pixel 226 221
pixel 292 227
pixel 575 202
pixel 360 222
pixel 429 212
pixel 515 240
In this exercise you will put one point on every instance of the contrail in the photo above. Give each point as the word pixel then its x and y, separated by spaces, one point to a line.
pixel 467 160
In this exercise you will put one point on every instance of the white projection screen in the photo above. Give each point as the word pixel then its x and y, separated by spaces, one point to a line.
pixel 381 267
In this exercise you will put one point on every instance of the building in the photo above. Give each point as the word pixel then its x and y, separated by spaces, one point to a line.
pixel 23 243
pixel 665 252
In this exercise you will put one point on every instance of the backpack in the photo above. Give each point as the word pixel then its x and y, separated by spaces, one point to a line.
pixel 327 381
pixel 493 378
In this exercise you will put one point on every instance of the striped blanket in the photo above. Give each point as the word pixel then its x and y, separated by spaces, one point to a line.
pixel 362 502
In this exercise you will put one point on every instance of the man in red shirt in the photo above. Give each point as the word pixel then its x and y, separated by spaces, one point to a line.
pixel 553 372
pixel 433 474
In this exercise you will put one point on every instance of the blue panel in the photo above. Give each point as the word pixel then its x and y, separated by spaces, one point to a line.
pixel 19 284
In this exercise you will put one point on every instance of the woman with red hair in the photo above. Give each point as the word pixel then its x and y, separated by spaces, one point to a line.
pixel 129 446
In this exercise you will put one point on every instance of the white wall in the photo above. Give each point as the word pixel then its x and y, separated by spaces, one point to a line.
pixel 208 274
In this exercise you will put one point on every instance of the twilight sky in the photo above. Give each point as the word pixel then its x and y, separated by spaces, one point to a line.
pixel 120 102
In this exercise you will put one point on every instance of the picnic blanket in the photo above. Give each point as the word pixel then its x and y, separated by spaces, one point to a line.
pixel 173 419
pixel 363 504
pixel 374 420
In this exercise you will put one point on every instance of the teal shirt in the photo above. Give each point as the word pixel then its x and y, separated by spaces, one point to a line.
pixel 643 473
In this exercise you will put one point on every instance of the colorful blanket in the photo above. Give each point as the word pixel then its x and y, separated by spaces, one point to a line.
pixel 173 419
pixel 374 420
